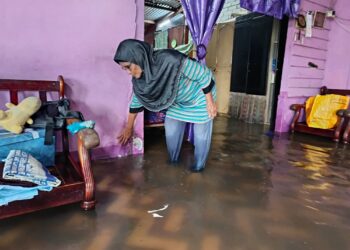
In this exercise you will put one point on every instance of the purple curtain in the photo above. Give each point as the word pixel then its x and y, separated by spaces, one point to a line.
pixel 201 16
pixel 275 8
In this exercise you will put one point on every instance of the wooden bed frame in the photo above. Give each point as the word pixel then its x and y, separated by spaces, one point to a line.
pixel 77 181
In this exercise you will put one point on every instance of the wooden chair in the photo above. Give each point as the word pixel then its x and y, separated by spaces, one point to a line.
pixel 346 134
pixel 341 130
pixel 77 181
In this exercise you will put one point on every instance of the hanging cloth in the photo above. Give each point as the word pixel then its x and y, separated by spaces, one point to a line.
pixel 275 8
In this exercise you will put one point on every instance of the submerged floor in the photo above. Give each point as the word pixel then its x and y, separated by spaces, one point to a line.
pixel 256 193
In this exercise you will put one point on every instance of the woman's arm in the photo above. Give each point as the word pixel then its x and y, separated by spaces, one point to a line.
pixel 128 130
pixel 202 75
pixel 211 106
pixel 134 108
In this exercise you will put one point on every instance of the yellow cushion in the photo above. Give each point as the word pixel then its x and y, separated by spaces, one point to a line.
pixel 321 110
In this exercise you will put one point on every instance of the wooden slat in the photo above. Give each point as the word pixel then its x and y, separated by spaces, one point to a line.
pixel 69 174
pixel 307 92
pixel 298 72
pixel 321 34
pixel 24 85
pixel 70 191
pixel 305 83
pixel 321 3
pixel 315 131
pixel 338 91
pixel 14 96
pixel 300 61
pixel 314 5
pixel 309 52
pixel 61 84
pixel 154 125
pixel 313 43
pixel 43 96
pixel 57 197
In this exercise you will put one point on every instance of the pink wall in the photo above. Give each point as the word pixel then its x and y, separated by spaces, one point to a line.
pixel 41 39
pixel 298 79
pixel 337 71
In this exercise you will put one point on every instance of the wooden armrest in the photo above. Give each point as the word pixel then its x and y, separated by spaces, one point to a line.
pixel 346 134
pixel 297 107
pixel 297 111
pixel 88 136
pixel 87 139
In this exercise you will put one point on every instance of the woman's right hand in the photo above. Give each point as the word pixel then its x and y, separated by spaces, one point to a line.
pixel 211 106
pixel 125 136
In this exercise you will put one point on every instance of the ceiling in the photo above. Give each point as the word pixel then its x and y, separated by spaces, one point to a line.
pixel 157 9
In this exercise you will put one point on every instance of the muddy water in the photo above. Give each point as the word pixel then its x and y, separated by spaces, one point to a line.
pixel 257 192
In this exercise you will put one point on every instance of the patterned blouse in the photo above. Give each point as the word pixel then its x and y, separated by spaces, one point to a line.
pixel 190 105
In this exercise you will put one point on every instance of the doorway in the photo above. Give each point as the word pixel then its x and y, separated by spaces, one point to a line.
pixel 258 52
pixel 250 54
pixel 279 66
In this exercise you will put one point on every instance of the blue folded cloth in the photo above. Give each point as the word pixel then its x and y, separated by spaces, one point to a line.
pixel 20 165
pixel 76 126
pixel 13 193
pixel 31 141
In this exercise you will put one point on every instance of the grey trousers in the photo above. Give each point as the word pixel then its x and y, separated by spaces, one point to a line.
pixel 174 132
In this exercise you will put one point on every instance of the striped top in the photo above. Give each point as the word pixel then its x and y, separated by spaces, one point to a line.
pixel 190 104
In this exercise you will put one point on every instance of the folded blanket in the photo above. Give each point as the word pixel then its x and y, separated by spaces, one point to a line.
pixel 20 165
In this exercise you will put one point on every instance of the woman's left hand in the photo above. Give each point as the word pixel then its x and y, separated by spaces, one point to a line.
pixel 211 106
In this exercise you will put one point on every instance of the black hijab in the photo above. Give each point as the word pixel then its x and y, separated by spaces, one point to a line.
pixel 157 87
